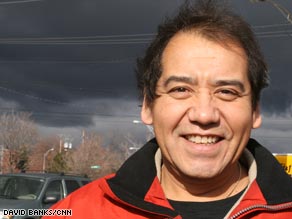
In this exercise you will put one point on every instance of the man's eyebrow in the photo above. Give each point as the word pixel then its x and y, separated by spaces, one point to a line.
pixel 236 83
pixel 192 81
pixel 184 79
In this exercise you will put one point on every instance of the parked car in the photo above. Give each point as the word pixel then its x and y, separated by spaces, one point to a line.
pixel 24 195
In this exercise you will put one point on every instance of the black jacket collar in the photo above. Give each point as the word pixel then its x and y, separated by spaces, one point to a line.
pixel 275 184
pixel 134 178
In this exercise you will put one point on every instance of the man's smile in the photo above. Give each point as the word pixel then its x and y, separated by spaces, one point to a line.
pixel 202 139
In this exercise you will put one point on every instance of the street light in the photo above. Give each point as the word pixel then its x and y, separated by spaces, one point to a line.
pixel 2 153
pixel 65 143
pixel 67 146
pixel 44 158
pixel 134 148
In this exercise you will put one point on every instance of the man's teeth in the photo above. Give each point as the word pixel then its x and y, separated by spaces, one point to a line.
pixel 202 139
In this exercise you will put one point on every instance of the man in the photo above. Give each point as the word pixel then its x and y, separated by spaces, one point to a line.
pixel 201 80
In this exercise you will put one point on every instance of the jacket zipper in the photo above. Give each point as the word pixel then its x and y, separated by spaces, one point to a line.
pixel 266 207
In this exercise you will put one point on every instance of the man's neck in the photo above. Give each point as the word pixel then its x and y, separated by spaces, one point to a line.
pixel 184 188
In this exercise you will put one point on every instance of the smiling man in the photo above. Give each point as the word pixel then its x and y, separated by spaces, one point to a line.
pixel 202 117
pixel 201 80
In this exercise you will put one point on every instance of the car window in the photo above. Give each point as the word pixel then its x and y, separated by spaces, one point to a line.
pixel 55 189
pixel 71 185
pixel 12 187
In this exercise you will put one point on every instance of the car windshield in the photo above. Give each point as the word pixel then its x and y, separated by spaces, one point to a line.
pixel 20 187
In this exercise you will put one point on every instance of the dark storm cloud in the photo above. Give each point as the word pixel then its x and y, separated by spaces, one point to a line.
pixel 70 61
pixel 277 98
pixel 277 101
pixel 52 90
pixel 44 71
pixel 82 17
pixel 274 33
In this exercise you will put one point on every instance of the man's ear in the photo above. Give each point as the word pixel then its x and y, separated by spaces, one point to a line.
pixel 257 117
pixel 146 113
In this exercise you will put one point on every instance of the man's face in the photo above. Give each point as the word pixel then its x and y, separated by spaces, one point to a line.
pixel 203 116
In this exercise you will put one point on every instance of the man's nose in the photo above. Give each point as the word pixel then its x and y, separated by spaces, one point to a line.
pixel 203 109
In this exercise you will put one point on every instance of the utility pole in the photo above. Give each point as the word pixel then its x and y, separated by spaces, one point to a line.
pixel 45 157
pixel 2 154
pixel 83 137
pixel 2 157
pixel 61 136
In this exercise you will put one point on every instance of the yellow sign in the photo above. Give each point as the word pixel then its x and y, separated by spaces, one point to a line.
pixel 286 161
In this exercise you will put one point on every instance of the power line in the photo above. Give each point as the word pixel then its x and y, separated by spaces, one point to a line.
pixel 59 115
pixel 275 35
pixel 54 102
pixel 279 7
pixel 272 25
pixel 105 41
pixel 274 32
pixel 102 37
pixel 45 100
pixel 19 2
pixel 46 84
pixel 110 61
pixel 278 33
pixel 97 39
pixel 102 40
pixel 80 42
pixel 32 96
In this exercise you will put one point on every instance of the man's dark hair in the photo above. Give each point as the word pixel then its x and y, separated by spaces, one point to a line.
pixel 213 21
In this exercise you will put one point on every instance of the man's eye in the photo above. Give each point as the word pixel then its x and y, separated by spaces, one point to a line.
pixel 179 92
pixel 227 94
pixel 179 89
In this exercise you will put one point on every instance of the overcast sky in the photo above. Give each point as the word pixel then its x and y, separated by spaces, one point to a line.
pixel 71 62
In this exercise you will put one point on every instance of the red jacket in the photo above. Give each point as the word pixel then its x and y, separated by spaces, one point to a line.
pixel 135 192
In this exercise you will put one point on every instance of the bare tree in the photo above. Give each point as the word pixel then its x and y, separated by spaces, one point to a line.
pixel 17 135
pixel 88 157
pixel 95 159
pixel 37 158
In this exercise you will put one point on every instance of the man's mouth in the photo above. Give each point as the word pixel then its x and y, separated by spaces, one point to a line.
pixel 202 139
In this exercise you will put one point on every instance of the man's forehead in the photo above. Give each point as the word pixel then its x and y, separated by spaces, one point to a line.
pixel 203 41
